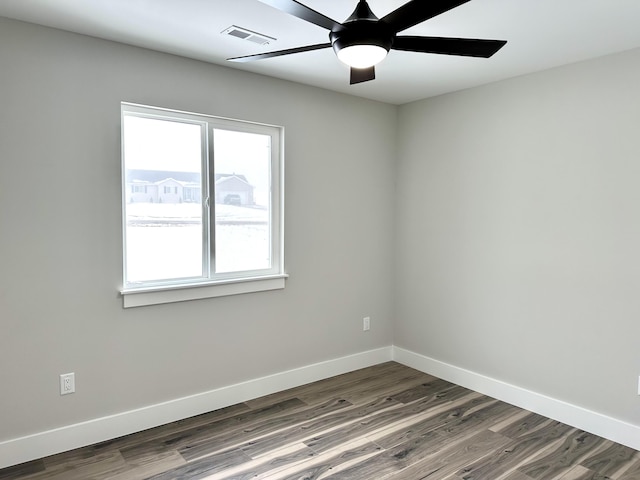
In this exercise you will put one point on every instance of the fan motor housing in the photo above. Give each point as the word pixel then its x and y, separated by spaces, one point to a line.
pixel 361 32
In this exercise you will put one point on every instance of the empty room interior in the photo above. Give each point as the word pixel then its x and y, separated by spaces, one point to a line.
pixel 489 235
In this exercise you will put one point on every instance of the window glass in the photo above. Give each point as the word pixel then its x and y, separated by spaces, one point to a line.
pixel 242 208
pixel 164 214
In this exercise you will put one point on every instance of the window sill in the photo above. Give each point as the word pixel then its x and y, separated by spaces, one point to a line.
pixel 138 297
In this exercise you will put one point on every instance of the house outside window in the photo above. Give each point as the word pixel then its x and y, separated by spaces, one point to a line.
pixel 202 206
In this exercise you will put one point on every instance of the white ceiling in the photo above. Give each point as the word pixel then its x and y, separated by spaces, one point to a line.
pixel 541 34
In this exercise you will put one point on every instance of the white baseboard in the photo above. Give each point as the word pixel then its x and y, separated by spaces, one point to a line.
pixel 31 447
pixel 50 442
pixel 587 420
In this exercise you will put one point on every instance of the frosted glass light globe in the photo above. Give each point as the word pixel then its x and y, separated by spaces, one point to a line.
pixel 362 56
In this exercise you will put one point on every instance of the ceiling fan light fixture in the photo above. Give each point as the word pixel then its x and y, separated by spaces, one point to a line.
pixel 363 40
pixel 362 56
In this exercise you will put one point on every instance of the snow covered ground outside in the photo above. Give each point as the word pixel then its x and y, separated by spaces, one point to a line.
pixel 190 212
pixel 164 241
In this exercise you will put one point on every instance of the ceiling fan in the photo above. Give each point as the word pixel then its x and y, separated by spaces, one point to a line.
pixel 363 40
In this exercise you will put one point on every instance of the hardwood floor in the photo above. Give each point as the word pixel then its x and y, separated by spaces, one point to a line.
pixel 383 422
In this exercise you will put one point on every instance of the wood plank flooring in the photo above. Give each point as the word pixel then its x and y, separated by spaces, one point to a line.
pixel 383 422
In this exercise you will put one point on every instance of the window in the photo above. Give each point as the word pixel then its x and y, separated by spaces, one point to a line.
pixel 202 206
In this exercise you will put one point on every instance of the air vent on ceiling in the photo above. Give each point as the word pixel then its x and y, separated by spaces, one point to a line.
pixel 250 36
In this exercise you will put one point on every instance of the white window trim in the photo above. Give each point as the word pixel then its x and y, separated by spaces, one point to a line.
pixel 273 279
pixel 182 293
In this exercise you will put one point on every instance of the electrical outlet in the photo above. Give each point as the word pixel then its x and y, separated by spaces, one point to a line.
pixel 366 324
pixel 638 385
pixel 67 383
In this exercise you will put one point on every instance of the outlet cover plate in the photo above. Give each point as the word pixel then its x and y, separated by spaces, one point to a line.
pixel 67 383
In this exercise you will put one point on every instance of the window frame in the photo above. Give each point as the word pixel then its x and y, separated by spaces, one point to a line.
pixel 210 284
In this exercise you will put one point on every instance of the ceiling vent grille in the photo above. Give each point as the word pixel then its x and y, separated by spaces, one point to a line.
pixel 248 35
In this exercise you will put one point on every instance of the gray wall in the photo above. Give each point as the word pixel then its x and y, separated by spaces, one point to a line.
pixel 518 214
pixel 60 254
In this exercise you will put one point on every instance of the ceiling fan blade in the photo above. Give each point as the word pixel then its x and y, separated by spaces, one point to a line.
pixel 279 53
pixel 359 75
pixel 417 11
pixel 303 12
pixel 468 47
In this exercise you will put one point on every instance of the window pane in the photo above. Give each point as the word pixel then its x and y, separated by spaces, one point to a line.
pixel 242 176
pixel 163 209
